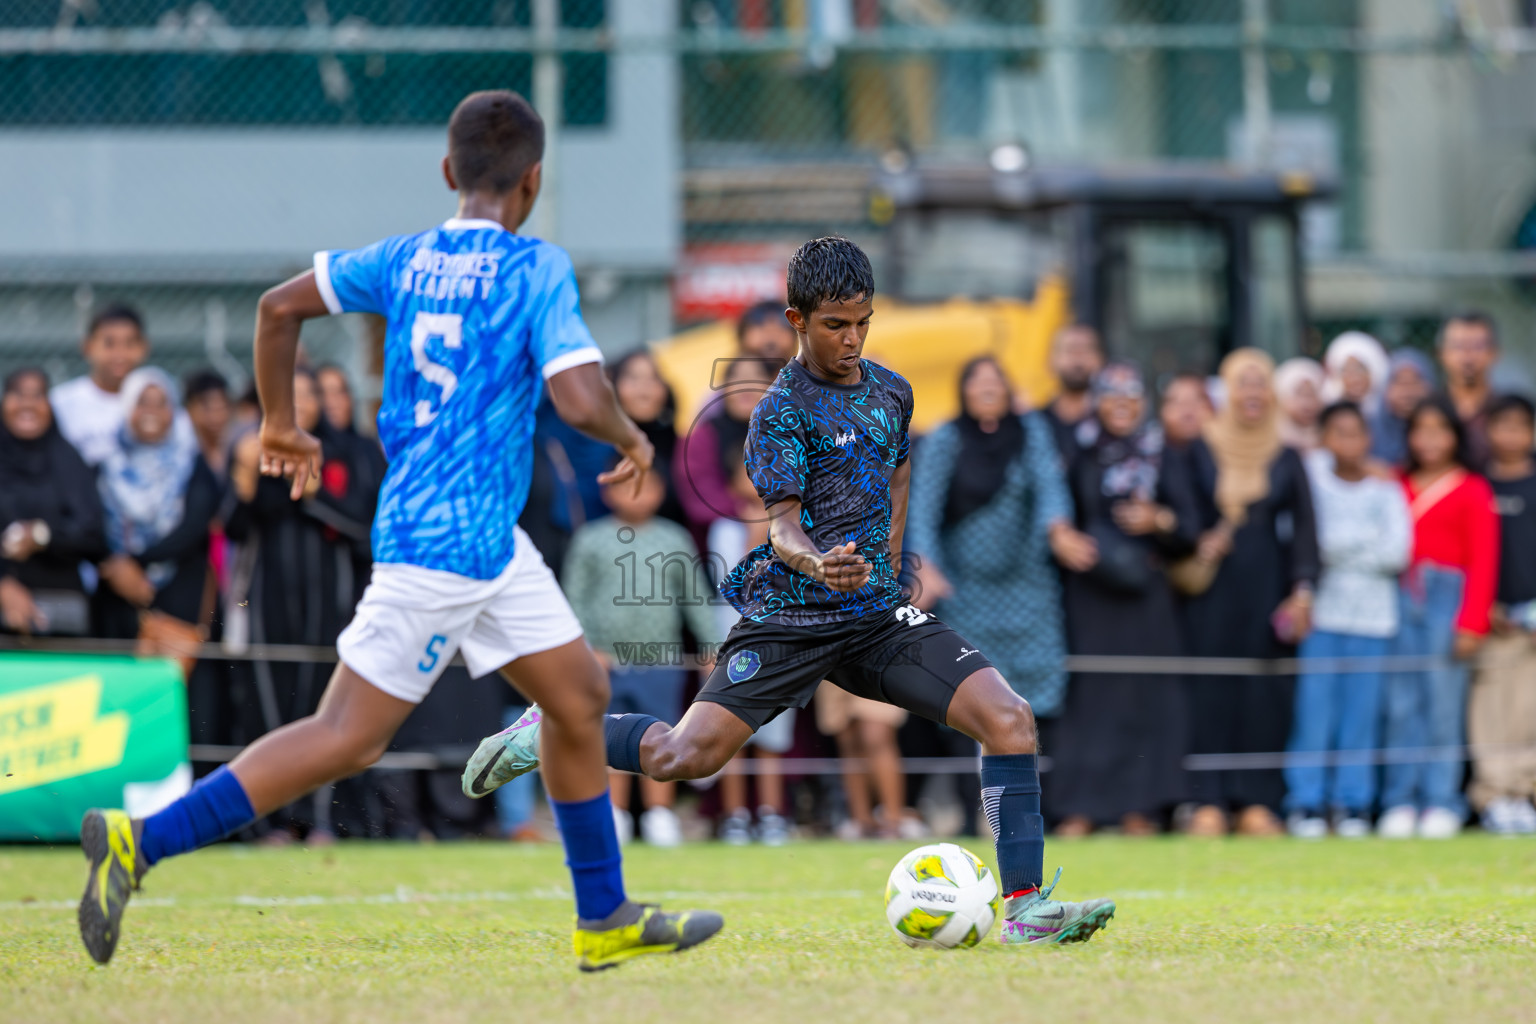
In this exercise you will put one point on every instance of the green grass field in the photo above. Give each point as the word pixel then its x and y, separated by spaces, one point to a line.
pixel 1227 930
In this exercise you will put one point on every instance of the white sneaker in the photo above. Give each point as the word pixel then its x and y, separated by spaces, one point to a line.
pixel 1523 815
pixel 1352 827
pixel 659 827
pixel 1498 817
pixel 736 828
pixel 772 827
pixel 1306 826
pixel 1439 823
pixel 1398 823
pixel 849 831
pixel 624 825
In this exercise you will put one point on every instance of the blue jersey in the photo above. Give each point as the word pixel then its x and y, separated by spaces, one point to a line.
pixel 477 317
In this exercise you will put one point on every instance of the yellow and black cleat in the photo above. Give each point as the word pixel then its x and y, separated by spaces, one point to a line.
pixel 636 929
pixel 115 867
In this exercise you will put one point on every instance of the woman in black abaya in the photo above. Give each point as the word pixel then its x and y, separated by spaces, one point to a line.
pixel 1116 759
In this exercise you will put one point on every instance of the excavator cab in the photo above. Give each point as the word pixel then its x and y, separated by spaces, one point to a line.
pixel 1174 264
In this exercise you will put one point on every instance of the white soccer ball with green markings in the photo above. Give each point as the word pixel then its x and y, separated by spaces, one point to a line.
pixel 942 895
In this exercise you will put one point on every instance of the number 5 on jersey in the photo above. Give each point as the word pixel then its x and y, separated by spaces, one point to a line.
pixel 426 326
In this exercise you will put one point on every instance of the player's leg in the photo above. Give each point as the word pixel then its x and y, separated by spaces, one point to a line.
pixel 697 747
pixel 987 709
pixel 761 669
pixel 570 690
pixel 918 663
pixel 347 733
pixel 530 630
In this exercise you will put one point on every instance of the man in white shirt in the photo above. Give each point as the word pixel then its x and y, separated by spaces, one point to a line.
pixel 87 408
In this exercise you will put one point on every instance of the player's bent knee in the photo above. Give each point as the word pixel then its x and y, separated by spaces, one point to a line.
pixel 1010 728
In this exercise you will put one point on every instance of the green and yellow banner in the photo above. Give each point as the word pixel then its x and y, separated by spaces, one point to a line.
pixel 87 731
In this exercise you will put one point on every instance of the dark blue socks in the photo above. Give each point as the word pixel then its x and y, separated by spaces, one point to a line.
pixel 1010 793
pixel 623 733
pixel 211 810
pixel 592 854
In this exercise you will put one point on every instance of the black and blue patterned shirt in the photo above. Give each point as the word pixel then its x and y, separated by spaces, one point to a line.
pixel 833 447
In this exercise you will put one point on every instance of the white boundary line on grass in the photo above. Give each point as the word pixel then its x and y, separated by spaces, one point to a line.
pixel 404 896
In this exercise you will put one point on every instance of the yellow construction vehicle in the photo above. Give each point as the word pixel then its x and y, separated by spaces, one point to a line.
pixel 1174 264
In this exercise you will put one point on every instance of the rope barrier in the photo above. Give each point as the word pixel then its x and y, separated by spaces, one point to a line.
pixel 453 758
pixel 1084 664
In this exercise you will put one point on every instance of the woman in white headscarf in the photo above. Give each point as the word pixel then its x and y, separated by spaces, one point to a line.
pixel 1299 394
pixel 159 497
pixel 1358 369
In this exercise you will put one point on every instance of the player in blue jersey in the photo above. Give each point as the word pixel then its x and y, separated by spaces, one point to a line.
pixel 827 451
pixel 479 319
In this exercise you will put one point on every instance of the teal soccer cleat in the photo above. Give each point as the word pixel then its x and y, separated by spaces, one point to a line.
pixel 1036 919
pixel 503 757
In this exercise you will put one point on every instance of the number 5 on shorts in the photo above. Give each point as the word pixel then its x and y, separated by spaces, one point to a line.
pixel 428 660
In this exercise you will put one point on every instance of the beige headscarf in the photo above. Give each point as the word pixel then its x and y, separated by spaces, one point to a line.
pixel 1243 453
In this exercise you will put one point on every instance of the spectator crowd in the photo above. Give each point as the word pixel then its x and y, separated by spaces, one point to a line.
pixel 1373 514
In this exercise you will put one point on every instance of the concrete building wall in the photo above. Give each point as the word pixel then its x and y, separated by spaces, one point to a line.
pixel 249 205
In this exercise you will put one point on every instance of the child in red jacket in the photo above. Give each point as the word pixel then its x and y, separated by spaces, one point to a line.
pixel 1447 594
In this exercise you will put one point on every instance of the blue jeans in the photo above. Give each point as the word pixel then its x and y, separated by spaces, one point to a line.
pixel 514 801
pixel 1336 711
pixel 1426 709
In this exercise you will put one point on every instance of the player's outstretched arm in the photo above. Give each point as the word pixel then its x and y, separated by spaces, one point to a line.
pixel 286 451
pixel 584 399
pixel 841 568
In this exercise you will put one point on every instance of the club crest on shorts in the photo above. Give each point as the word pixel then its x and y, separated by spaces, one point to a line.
pixel 743 666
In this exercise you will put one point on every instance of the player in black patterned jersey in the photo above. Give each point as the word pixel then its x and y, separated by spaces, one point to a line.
pixel 833 449
pixel 827 451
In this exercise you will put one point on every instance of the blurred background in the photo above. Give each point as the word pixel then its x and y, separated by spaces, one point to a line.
pixel 1041 185
pixel 190 154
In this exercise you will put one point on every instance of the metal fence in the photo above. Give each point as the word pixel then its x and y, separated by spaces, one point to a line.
pixel 1419 108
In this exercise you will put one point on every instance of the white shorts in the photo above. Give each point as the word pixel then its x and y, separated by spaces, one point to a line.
pixel 411 621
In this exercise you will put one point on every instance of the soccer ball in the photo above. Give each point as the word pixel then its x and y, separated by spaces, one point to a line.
pixel 942 895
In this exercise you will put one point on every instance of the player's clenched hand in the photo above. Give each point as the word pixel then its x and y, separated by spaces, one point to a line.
pixel 842 568
pixel 638 456
pixel 292 453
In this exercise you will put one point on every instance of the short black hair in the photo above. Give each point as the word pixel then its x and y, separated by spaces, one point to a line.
pixel 1441 406
pixel 202 382
pixel 769 311
pixel 1473 317
pixel 115 313
pixel 14 378
pixel 493 138
pixel 1341 408
pixel 829 269
pixel 1503 405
